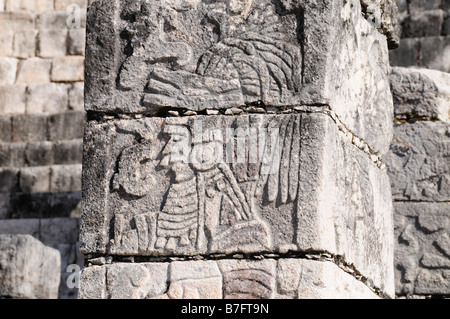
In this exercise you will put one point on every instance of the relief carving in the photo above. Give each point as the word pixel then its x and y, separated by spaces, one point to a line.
pixel 197 55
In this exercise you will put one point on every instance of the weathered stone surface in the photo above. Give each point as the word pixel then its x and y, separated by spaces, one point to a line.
pixel 419 162
pixel 8 69
pixel 198 55
pixel 24 44
pixel 34 70
pixel 421 93
pixel 28 268
pixel 227 279
pixel 384 15
pixel 289 192
pixel 422 253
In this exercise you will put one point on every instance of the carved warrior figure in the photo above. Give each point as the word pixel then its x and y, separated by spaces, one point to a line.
pixel 244 52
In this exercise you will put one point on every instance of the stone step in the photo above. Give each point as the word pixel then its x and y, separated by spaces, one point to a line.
pixel 40 205
pixel 19 155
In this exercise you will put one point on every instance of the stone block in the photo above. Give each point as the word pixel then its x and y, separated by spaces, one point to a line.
pixel 29 128
pixel 62 5
pixel 435 53
pixel 59 231
pixel 29 5
pixel 24 44
pixel 224 279
pixel 66 178
pixel 20 227
pixel 422 251
pixel 420 93
pixel 424 24
pixel 52 43
pixel 277 54
pixel 39 154
pixel 5 128
pixel 383 14
pixel 6 40
pixel 56 20
pixel 9 180
pixel 68 152
pixel 8 70
pixel 76 97
pixel 68 69
pixel 29 270
pixel 45 205
pixel 76 41
pixel 34 70
pixel 13 99
pixel 4 206
pixel 199 198
pixel 419 162
pixel 12 154
pixel 48 98
pixel 66 126
pixel 408 53
pixel 420 5
pixel 16 21
pixel 35 179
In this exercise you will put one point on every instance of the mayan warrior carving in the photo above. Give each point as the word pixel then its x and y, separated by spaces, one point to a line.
pixel 219 176
pixel 198 54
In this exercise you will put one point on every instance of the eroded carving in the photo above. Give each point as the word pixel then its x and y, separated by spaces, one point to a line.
pixel 198 54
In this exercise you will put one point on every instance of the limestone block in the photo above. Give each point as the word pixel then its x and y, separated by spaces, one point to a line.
pixel 62 5
pixel 191 186
pixel 76 41
pixel 39 154
pixel 9 180
pixel 65 178
pixel 12 154
pixel 28 268
pixel 16 21
pixel 5 129
pixel 384 15
pixel 20 226
pixel 59 230
pixel 34 70
pixel 6 40
pixel 13 99
pixel 4 205
pixel 8 69
pixel 421 93
pixel 224 279
pixel 407 54
pixel 52 42
pixel 275 53
pixel 424 24
pixel 29 128
pixel 24 44
pixel 419 162
pixel 68 151
pixel 35 179
pixel 29 5
pixel 68 69
pixel 435 53
pixel 420 5
pixel 66 126
pixel 422 252
pixel 45 205
pixel 76 97
pixel 48 98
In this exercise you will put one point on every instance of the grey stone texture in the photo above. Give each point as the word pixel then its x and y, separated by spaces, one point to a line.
pixel 419 162
pixel 224 279
pixel 422 257
pixel 420 94
pixel 275 53
pixel 59 233
pixel 28 268
pixel 320 192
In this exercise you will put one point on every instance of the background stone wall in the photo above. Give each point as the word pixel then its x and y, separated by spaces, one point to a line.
pixel 425 34
pixel 41 122
pixel 419 159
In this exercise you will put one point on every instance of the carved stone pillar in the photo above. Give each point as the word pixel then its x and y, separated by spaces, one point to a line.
pixel 233 150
